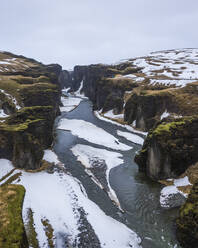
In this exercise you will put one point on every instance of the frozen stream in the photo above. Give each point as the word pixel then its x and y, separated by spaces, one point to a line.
pixel 93 152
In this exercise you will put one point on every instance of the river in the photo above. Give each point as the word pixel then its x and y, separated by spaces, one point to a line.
pixel 138 196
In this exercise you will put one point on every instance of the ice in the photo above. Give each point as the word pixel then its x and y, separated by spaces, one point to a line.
pixel 91 133
pixel 69 103
pixel 87 155
pixel 167 191
pixel 131 137
pixel 58 198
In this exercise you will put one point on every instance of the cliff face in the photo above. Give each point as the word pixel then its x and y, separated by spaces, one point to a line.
pixel 29 104
pixel 170 148
pixel 101 86
pixel 187 223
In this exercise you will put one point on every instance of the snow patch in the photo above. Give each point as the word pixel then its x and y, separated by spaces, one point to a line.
pixel 5 167
pixel 110 114
pixel 168 191
pixel 88 156
pixel 11 98
pixel 69 103
pixel 131 137
pixel 164 115
pixel 129 128
pixel 58 197
pixel 92 133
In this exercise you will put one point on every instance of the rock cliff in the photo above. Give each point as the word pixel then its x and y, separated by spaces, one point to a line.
pixel 187 223
pixel 29 103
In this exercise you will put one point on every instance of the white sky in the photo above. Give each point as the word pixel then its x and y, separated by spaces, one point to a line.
pixel 71 32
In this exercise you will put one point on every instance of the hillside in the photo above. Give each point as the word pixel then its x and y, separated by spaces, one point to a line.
pixel 29 104
pixel 158 94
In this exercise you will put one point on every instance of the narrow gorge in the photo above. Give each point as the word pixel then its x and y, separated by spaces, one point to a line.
pixel 111 146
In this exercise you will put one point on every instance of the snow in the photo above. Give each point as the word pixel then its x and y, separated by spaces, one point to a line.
pixel 91 133
pixel 110 114
pixel 131 137
pixel 177 83
pixel 88 155
pixel 69 103
pixel 4 63
pixel 5 167
pixel 180 66
pixel 11 98
pixel 58 198
pixel 3 114
pixel 66 89
pixel 78 93
pixel 164 115
pixel 50 157
pixel 167 191
pixel 182 182
pixel 129 128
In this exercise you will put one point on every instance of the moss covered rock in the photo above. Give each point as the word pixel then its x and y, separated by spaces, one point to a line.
pixel 170 148
pixel 187 222
pixel 30 95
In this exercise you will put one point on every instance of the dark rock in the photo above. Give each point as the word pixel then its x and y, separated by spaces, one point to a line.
pixel 187 223
pixel 169 149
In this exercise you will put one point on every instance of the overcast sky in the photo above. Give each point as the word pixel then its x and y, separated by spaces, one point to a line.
pixel 71 32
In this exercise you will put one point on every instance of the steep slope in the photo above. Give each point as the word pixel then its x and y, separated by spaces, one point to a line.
pixel 29 103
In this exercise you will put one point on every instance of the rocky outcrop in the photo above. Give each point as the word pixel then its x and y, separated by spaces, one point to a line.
pixel 170 148
pixel 101 85
pixel 187 223
pixel 146 105
pixel 29 100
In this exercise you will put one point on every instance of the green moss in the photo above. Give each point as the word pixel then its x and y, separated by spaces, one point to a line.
pixel 21 127
pixel 30 230
pixel 187 222
pixel 49 231
pixel 185 210
pixel 12 233
pixel 167 128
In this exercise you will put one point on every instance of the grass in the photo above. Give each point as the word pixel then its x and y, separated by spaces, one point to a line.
pixel 11 223
pixel 49 231
pixel 30 230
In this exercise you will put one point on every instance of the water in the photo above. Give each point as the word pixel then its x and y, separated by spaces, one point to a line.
pixel 139 196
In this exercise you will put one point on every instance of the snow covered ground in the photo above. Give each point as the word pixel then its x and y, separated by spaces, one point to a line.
pixel 90 132
pixel 95 159
pixel 61 199
pixel 69 103
pixel 110 114
pixel 180 64
pixel 131 137
pixel 169 191
pixel 177 67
